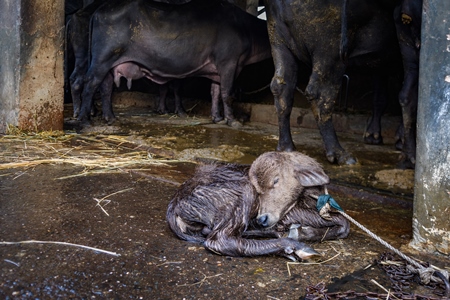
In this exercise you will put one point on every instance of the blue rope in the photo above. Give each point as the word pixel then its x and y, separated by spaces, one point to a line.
pixel 323 199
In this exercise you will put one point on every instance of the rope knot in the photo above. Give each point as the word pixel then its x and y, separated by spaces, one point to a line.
pixel 324 204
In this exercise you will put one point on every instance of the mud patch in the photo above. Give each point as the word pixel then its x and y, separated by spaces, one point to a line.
pixel 222 153
pixel 403 179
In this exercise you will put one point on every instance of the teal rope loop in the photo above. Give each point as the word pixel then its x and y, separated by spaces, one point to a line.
pixel 323 199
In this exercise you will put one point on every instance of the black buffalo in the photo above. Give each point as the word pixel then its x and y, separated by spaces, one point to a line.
pixel 78 47
pixel 310 32
pixel 162 42
pixel 408 21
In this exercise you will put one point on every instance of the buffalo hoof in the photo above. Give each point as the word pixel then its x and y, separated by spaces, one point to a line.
pixel 307 253
pixel 293 231
pixel 182 114
pixel 219 120
pixel 295 250
pixel 162 111
pixel 399 145
pixel 94 111
pixel 406 163
pixel 109 118
pixel 399 137
pixel 234 123
pixel 341 159
pixel 84 123
pixel 373 138
pixel 286 147
pixel 110 121
pixel 76 111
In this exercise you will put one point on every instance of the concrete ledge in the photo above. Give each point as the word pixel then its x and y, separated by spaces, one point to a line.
pixel 266 113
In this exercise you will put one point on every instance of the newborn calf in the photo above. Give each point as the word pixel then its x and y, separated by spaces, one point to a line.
pixel 225 206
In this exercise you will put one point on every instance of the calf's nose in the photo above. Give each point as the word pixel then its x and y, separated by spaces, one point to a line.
pixel 263 220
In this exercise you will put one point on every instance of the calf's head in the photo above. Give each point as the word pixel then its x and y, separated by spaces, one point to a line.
pixel 279 178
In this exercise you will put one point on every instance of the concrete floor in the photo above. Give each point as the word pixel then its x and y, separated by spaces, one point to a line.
pixel 119 204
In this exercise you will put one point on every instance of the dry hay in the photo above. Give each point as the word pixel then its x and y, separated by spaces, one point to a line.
pixel 95 153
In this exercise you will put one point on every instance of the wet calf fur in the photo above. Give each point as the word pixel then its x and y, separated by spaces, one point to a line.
pixel 225 206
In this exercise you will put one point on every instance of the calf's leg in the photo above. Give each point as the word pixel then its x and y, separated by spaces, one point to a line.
pixel 237 246
pixel 312 227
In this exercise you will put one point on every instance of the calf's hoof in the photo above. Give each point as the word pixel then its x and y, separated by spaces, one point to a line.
pixel 307 253
pixel 295 250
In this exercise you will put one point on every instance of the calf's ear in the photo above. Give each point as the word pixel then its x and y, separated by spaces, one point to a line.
pixel 311 176
pixel 306 169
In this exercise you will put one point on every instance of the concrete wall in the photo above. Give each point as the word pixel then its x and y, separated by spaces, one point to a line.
pixel 9 61
pixel 431 221
pixel 31 64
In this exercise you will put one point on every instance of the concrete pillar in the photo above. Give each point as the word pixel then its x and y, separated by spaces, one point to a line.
pixel 431 219
pixel 31 64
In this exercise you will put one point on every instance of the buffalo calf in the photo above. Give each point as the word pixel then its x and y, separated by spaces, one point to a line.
pixel 225 206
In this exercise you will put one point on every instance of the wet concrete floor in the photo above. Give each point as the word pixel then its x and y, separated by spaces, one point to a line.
pixel 108 188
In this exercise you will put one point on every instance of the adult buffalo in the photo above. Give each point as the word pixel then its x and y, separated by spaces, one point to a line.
pixel 408 21
pixel 310 32
pixel 78 46
pixel 162 42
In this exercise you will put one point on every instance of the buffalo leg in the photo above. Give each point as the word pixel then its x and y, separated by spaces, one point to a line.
pixel 215 104
pixel 282 87
pixel 322 97
pixel 408 24
pixel 162 107
pixel 179 109
pixel 76 87
pixel 408 98
pixel 408 101
pixel 222 92
pixel 106 89
pixel 91 83
pixel 373 131
pixel 226 94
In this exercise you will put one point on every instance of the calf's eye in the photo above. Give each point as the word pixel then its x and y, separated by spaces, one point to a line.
pixel 275 181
